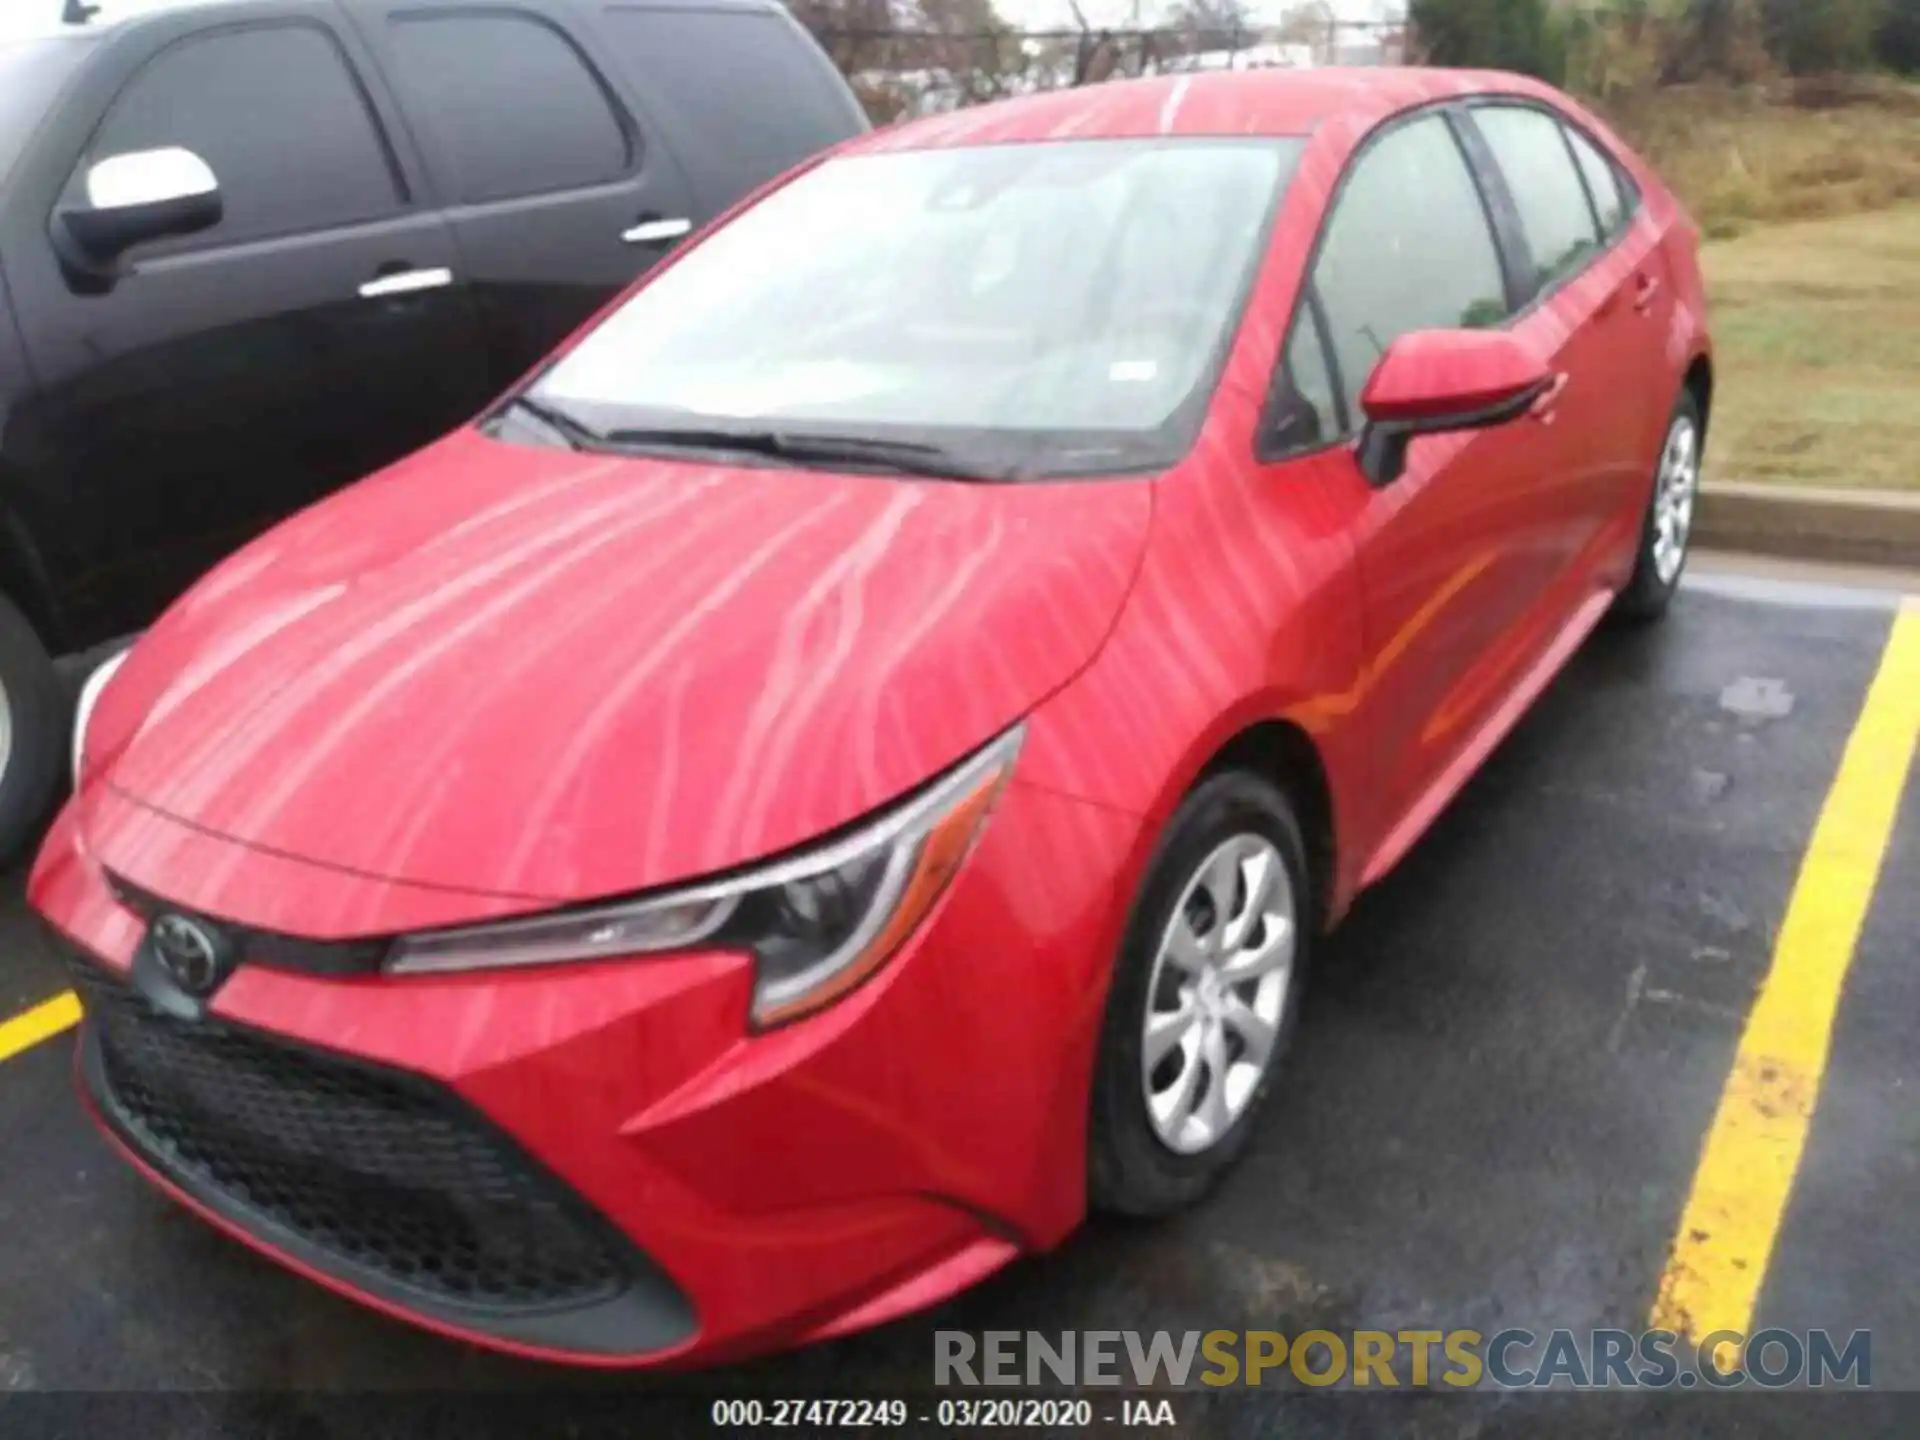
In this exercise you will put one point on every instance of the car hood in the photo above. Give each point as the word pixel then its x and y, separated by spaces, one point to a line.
pixel 531 672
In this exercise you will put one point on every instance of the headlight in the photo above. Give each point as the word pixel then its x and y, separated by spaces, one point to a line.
pixel 83 711
pixel 817 924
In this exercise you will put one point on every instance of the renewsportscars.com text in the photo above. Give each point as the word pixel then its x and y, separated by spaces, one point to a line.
pixel 1513 1359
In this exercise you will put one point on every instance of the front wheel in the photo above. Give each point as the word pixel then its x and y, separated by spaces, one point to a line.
pixel 1667 533
pixel 1203 1000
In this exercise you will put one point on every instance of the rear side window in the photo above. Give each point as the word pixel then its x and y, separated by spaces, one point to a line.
pixel 1531 149
pixel 1409 247
pixel 1603 182
pixel 280 118
pixel 744 92
pixel 511 104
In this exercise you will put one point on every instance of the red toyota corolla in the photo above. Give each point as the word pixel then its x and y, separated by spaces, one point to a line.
pixel 845 768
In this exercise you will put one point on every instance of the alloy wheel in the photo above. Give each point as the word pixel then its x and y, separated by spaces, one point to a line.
pixel 1218 993
pixel 1676 490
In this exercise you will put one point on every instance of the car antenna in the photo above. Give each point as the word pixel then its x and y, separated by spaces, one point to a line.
pixel 78 12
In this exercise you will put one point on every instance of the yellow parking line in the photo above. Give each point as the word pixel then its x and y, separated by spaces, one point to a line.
pixel 43 1022
pixel 1740 1190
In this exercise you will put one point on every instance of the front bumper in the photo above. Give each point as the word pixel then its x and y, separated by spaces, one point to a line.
pixel 385 1183
pixel 600 1161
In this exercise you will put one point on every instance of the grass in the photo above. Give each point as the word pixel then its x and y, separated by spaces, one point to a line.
pixel 1809 194
pixel 1817 338
pixel 1792 150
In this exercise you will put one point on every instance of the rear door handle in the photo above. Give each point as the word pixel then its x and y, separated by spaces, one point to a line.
pixel 406 282
pixel 652 232
pixel 1645 292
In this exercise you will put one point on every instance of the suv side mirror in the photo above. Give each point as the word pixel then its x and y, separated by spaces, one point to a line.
pixel 133 198
pixel 1433 381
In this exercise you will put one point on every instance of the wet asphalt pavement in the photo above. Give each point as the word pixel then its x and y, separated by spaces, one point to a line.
pixel 1508 1058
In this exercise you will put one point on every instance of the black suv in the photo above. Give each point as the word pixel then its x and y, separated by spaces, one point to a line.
pixel 252 251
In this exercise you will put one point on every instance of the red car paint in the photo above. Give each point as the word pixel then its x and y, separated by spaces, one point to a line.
pixel 1430 374
pixel 496 679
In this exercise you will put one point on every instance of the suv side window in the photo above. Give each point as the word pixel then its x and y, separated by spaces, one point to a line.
pixel 278 115
pixel 1610 197
pixel 716 76
pixel 514 107
pixel 1531 149
pixel 1409 247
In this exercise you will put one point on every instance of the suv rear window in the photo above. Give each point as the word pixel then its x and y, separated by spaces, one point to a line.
pixel 513 107
pixel 744 91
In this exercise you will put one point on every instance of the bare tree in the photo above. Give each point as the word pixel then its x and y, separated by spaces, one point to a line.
pixel 1197 26
pixel 1314 23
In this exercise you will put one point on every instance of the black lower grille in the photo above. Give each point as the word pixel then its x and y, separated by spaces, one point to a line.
pixel 382 1171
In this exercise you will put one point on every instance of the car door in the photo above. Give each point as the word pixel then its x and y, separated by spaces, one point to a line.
pixel 557 194
pixel 1637 299
pixel 226 378
pixel 1591 312
pixel 1451 555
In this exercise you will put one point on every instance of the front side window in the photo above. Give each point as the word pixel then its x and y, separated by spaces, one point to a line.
pixel 1531 149
pixel 1064 305
pixel 279 117
pixel 511 104
pixel 1408 247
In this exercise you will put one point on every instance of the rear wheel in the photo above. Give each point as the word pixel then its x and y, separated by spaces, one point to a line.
pixel 1667 534
pixel 1204 998
pixel 32 733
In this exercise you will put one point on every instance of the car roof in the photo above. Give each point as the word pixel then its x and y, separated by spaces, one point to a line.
pixel 1275 102
pixel 40 19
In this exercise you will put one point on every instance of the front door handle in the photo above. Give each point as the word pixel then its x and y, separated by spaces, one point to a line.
pixel 653 231
pixel 406 282
pixel 1547 408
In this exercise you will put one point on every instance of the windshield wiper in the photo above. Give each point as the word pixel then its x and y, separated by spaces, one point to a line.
pixel 905 457
pixel 577 433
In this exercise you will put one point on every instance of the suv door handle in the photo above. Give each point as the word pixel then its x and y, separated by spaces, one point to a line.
pixel 406 282
pixel 652 230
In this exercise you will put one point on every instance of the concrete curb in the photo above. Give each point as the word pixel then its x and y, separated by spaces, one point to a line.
pixel 1864 527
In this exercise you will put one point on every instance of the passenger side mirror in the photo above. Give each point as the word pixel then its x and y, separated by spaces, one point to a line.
pixel 1430 382
pixel 131 199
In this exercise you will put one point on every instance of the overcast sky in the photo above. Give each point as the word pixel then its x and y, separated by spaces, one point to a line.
pixel 1058 14
pixel 28 16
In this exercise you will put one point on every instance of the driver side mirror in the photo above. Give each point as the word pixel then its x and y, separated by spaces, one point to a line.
pixel 1432 382
pixel 131 199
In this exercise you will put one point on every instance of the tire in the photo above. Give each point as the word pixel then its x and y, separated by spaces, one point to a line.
pixel 1145 1164
pixel 33 740
pixel 1657 569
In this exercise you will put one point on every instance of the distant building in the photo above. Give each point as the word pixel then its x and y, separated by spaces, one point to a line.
pixel 1256 56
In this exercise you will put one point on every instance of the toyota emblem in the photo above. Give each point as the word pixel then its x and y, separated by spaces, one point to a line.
pixel 188 951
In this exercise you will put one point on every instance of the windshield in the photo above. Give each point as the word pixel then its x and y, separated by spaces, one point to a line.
pixel 1061 306
pixel 31 74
